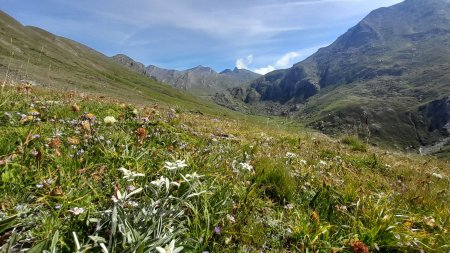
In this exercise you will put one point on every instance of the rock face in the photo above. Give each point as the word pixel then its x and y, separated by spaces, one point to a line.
pixel 389 42
pixel 437 115
pixel 240 75
pixel 387 66
pixel 130 63
pixel 199 80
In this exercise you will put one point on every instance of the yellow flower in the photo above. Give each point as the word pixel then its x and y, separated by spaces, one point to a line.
pixel 315 217
pixel 89 116
pixel 407 224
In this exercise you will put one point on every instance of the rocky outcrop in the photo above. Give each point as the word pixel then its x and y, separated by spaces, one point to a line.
pixel 393 42
pixel 130 63
pixel 199 80
pixel 437 114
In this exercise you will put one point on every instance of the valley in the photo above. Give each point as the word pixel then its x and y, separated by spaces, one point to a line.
pixel 345 151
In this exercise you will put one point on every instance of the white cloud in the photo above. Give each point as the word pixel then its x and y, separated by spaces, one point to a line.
pixel 244 63
pixel 287 60
pixel 265 70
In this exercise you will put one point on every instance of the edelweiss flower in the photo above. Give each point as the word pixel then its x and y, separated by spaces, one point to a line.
pixel 194 175
pixel 170 248
pixel 109 120
pixel 178 164
pixel 160 182
pixel 322 163
pixel 129 175
pixel 290 155
pixel 246 166
pixel 77 210
pixel 437 175
pixel 164 181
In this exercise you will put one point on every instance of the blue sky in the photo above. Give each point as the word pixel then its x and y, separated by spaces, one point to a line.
pixel 260 35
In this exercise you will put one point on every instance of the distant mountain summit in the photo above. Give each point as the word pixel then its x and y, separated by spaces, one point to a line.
pixel 199 80
pixel 390 42
pixel 130 63
pixel 241 75
pixel 393 61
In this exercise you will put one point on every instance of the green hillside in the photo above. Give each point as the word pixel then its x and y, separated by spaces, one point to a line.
pixel 30 53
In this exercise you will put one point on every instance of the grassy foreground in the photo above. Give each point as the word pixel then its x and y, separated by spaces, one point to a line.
pixel 84 174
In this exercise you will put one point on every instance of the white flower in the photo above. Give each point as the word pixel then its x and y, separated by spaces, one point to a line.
pixel 119 197
pixel 178 164
pixel 241 166
pixel 246 166
pixel 132 203
pixel 231 218
pixel 129 175
pixel 290 155
pixel 77 210
pixel 289 206
pixel 109 120
pixel 322 163
pixel 194 175
pixel 164 181
pixel 437 175
pixel 161 181
pixel 170 248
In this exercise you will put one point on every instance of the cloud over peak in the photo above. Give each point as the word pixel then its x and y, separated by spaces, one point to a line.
pixel 242 63
pixel 279 62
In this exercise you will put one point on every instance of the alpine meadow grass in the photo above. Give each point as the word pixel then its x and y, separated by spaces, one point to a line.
pixel 81 173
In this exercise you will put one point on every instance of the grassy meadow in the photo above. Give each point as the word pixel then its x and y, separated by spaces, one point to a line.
pixel 84 173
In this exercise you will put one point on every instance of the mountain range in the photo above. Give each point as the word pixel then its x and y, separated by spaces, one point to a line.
pixel 385 70
pixel 202 81
pixel 387 79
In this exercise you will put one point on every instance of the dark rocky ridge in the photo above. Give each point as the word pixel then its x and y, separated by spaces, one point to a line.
pixel 388 42
pixel 394 61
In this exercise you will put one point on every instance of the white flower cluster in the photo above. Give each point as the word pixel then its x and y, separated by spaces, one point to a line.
pixel 290 155
pixel 109 120
pixel 164 181
pixel 242 167
pixel 130 175
pixel 178 164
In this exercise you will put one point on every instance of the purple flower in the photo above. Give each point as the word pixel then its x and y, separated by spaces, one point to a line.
pixel 217 230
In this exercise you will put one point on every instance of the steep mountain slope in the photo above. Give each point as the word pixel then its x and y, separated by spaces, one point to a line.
pixel 393 61
pixel 129 63
pixel 199 80
pixel 30 53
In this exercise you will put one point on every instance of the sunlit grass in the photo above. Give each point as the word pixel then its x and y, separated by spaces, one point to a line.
pixel 104 176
